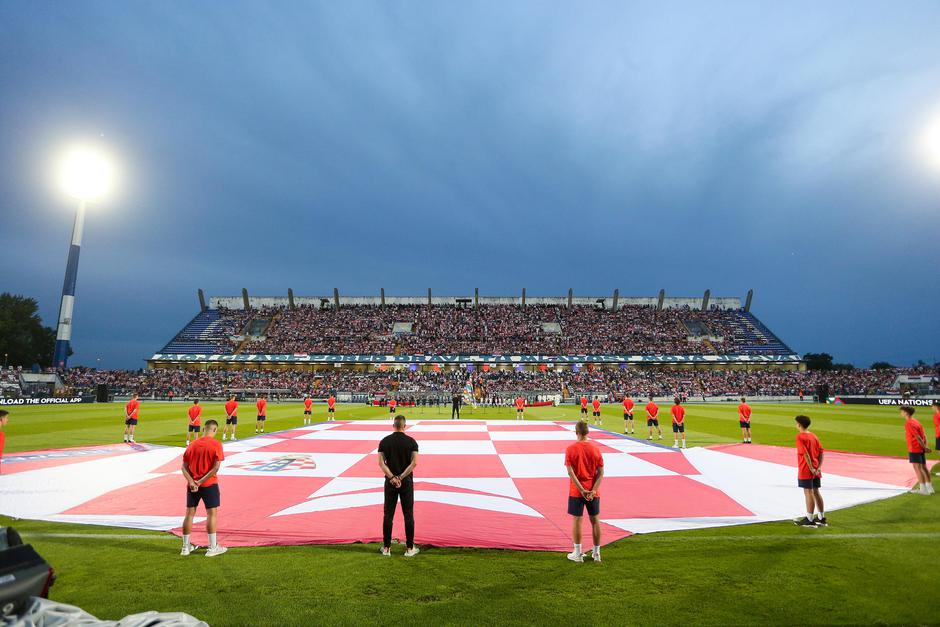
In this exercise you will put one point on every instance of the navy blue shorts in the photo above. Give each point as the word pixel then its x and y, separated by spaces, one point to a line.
pixel 232 421
pixel 391 410
pixel 331 410
pixel 917 458
pixel 194 428
pixel 131 422
pixel 262 418
pixel 577 504
pixel 936 445
pixel 652 422
pixel 584 410
pixel 208 494
pixel 628 416
pixel 595 413
pixel 676 428
pixel 745 424
pixel 809 483
pixel 306 412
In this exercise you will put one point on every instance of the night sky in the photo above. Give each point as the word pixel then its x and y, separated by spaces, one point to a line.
pixel 453 145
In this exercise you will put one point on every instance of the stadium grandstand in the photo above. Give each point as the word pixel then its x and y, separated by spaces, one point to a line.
pixel 371 330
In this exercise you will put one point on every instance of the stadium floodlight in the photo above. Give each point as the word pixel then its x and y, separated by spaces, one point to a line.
pixel 87 175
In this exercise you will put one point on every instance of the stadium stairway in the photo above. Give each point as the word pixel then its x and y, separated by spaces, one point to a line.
pixel 197 336
pixel 758 331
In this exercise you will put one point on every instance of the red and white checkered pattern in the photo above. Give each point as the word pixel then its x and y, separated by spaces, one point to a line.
pixel 478 483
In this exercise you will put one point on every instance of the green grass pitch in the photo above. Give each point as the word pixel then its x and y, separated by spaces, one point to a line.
pixel 875 564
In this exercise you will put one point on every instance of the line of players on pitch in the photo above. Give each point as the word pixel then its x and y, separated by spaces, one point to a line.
pixel 652 418
pixel 132 416
pixel 132 410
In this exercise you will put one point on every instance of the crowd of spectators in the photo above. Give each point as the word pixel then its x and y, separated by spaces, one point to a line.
pixel 488 329
pixel 495 330
pixel 360 329
pixel 9 379
pixel 610 382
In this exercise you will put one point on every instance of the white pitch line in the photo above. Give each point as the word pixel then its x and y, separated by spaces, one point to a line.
pixel 101 536
pixel 817 535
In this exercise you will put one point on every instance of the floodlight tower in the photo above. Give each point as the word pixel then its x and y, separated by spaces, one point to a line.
pixel 85 176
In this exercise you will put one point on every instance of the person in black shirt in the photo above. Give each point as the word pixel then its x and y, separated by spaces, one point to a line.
pixel 455 406
pixel 398 456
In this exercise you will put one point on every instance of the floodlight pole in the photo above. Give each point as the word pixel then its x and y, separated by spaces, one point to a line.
pixel 63 336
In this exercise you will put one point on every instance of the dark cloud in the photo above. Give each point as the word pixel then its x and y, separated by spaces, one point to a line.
pixel 481 145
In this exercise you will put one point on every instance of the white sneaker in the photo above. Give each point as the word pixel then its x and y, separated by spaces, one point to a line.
pixel 133 441
pixel 224 438
pixel 216 550
pixel 596 557
pixel 576 557
pixel 412 551
pixel 234 438
pixel 189 548
pixel 385 551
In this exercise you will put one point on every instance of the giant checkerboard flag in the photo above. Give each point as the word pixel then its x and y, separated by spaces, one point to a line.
pixel 479 483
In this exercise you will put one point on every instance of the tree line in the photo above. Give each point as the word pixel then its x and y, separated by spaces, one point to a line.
pixel 24 340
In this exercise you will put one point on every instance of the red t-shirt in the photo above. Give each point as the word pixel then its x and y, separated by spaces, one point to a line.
pixel 307 404
pixel 262 407
pixel 652 409
pixel 628 405
pixel 912 427
pixel 231 408
pixel 678 414
pixel 392 403
pixel 807 442
pixel 520 403
pixel 936 423
pixel 132 408
pixel 596 404
pixel 331 402
pixel 584 401
pixel 745 410
pixel 201 456
pixel 584 457
pixel 194 412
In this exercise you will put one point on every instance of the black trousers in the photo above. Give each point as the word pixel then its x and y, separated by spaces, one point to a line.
pixel 454 411
pixel 407 495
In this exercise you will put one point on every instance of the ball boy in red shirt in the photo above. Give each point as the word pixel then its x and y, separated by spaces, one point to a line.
pixel 585 466
pixel 627 414
pixel 809 459
pixel 917 451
